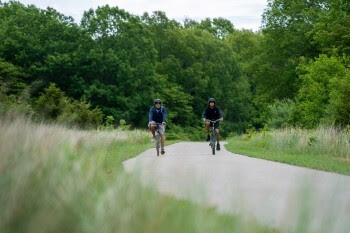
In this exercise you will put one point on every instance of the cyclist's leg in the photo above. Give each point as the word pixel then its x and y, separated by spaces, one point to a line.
pixel 162 136
pixel 153 128
pixel 217 132
pixel 207 126
pixel 162 141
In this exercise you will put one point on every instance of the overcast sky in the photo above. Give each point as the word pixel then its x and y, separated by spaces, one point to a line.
pixel 242 13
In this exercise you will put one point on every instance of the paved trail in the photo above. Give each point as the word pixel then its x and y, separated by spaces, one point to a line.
pixel 273 193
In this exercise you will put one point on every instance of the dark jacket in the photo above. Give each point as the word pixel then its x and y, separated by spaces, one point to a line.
pixel 157 115
pixel 212 113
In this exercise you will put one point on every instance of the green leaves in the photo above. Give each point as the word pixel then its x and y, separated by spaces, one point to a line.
pixel 322 77
pixel 338 110
pixel 120 62
pixel 54 106
pixel 331 32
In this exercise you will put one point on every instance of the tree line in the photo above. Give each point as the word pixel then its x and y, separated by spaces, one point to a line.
pixel 294 71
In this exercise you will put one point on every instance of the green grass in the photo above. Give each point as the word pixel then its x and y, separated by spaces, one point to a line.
pixel 325 148
pixel 54 179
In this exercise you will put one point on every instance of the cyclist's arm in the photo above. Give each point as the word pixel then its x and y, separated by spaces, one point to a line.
pixel 164 115
pixel 150 115
pixel 221 118
pixel 204 115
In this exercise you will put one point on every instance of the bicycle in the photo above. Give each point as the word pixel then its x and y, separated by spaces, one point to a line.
pixel 157 138
pixel 213 137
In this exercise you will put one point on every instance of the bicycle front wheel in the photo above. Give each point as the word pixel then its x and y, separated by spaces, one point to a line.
pixel 213 140
pixel 157 144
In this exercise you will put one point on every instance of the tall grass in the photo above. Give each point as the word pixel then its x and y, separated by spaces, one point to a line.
pixel 54 179
pixel 324 148
pixel 328 141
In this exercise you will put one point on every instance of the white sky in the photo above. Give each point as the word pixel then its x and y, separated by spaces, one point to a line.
pixel 242 13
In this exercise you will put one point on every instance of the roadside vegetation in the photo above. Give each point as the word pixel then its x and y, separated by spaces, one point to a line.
pixel 84 88
pixel 112 64
pixel 54 179
pixel 323 148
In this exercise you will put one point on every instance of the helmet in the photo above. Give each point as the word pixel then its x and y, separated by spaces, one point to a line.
pixel 211 100
pixel 157 101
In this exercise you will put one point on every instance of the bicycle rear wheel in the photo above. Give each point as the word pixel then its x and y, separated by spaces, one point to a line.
pixel 213 148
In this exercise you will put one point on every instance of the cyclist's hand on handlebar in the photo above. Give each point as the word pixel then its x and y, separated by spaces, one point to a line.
pixel 164 123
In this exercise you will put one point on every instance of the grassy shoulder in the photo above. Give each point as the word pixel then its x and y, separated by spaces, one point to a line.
pixel 59 180
pixel 323 149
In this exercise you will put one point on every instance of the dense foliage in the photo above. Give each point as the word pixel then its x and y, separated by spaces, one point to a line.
pixel 295 71
pixel 306 60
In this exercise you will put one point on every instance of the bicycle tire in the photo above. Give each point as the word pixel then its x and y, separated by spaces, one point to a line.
pixel 213 140
pixel 157 144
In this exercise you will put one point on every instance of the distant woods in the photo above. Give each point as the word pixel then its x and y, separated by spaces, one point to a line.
pixel 295 71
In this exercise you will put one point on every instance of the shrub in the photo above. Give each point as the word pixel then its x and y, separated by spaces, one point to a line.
pixel 314 95
pixel 51 103
pixel 338 110
pixel 175 132
pixel 109 124
pixel 78 113
pixel 12 104
pixel 280 113
pixel 54 106
pixel 123 125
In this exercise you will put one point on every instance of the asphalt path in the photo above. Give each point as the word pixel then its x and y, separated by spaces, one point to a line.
pixel 275 194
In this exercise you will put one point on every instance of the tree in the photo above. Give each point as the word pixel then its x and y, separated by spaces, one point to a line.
pixel 319 80
pixel 42 42
pixel 286 24
pixel 13 79
pixel 51 103
pixel 338 110
pixel 122 63
pixel 331 32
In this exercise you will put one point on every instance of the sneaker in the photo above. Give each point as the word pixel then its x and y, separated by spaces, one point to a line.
pixel 218 146
pixel 162 152
pixel 153 139
pixel 208 138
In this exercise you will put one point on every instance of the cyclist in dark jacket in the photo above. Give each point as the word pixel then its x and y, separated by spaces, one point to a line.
pixel 212 113
pixel 157 115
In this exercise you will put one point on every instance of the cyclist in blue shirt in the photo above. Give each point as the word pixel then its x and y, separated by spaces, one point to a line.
pixel 157 115
pixel 212 113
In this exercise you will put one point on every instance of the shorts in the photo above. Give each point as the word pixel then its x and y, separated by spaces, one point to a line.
pixel 216 125
pixel 161 127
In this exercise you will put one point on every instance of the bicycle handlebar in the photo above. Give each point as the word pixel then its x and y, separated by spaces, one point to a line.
pixel 213 121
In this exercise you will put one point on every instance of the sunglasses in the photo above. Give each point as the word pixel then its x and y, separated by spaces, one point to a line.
pixel 157 103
